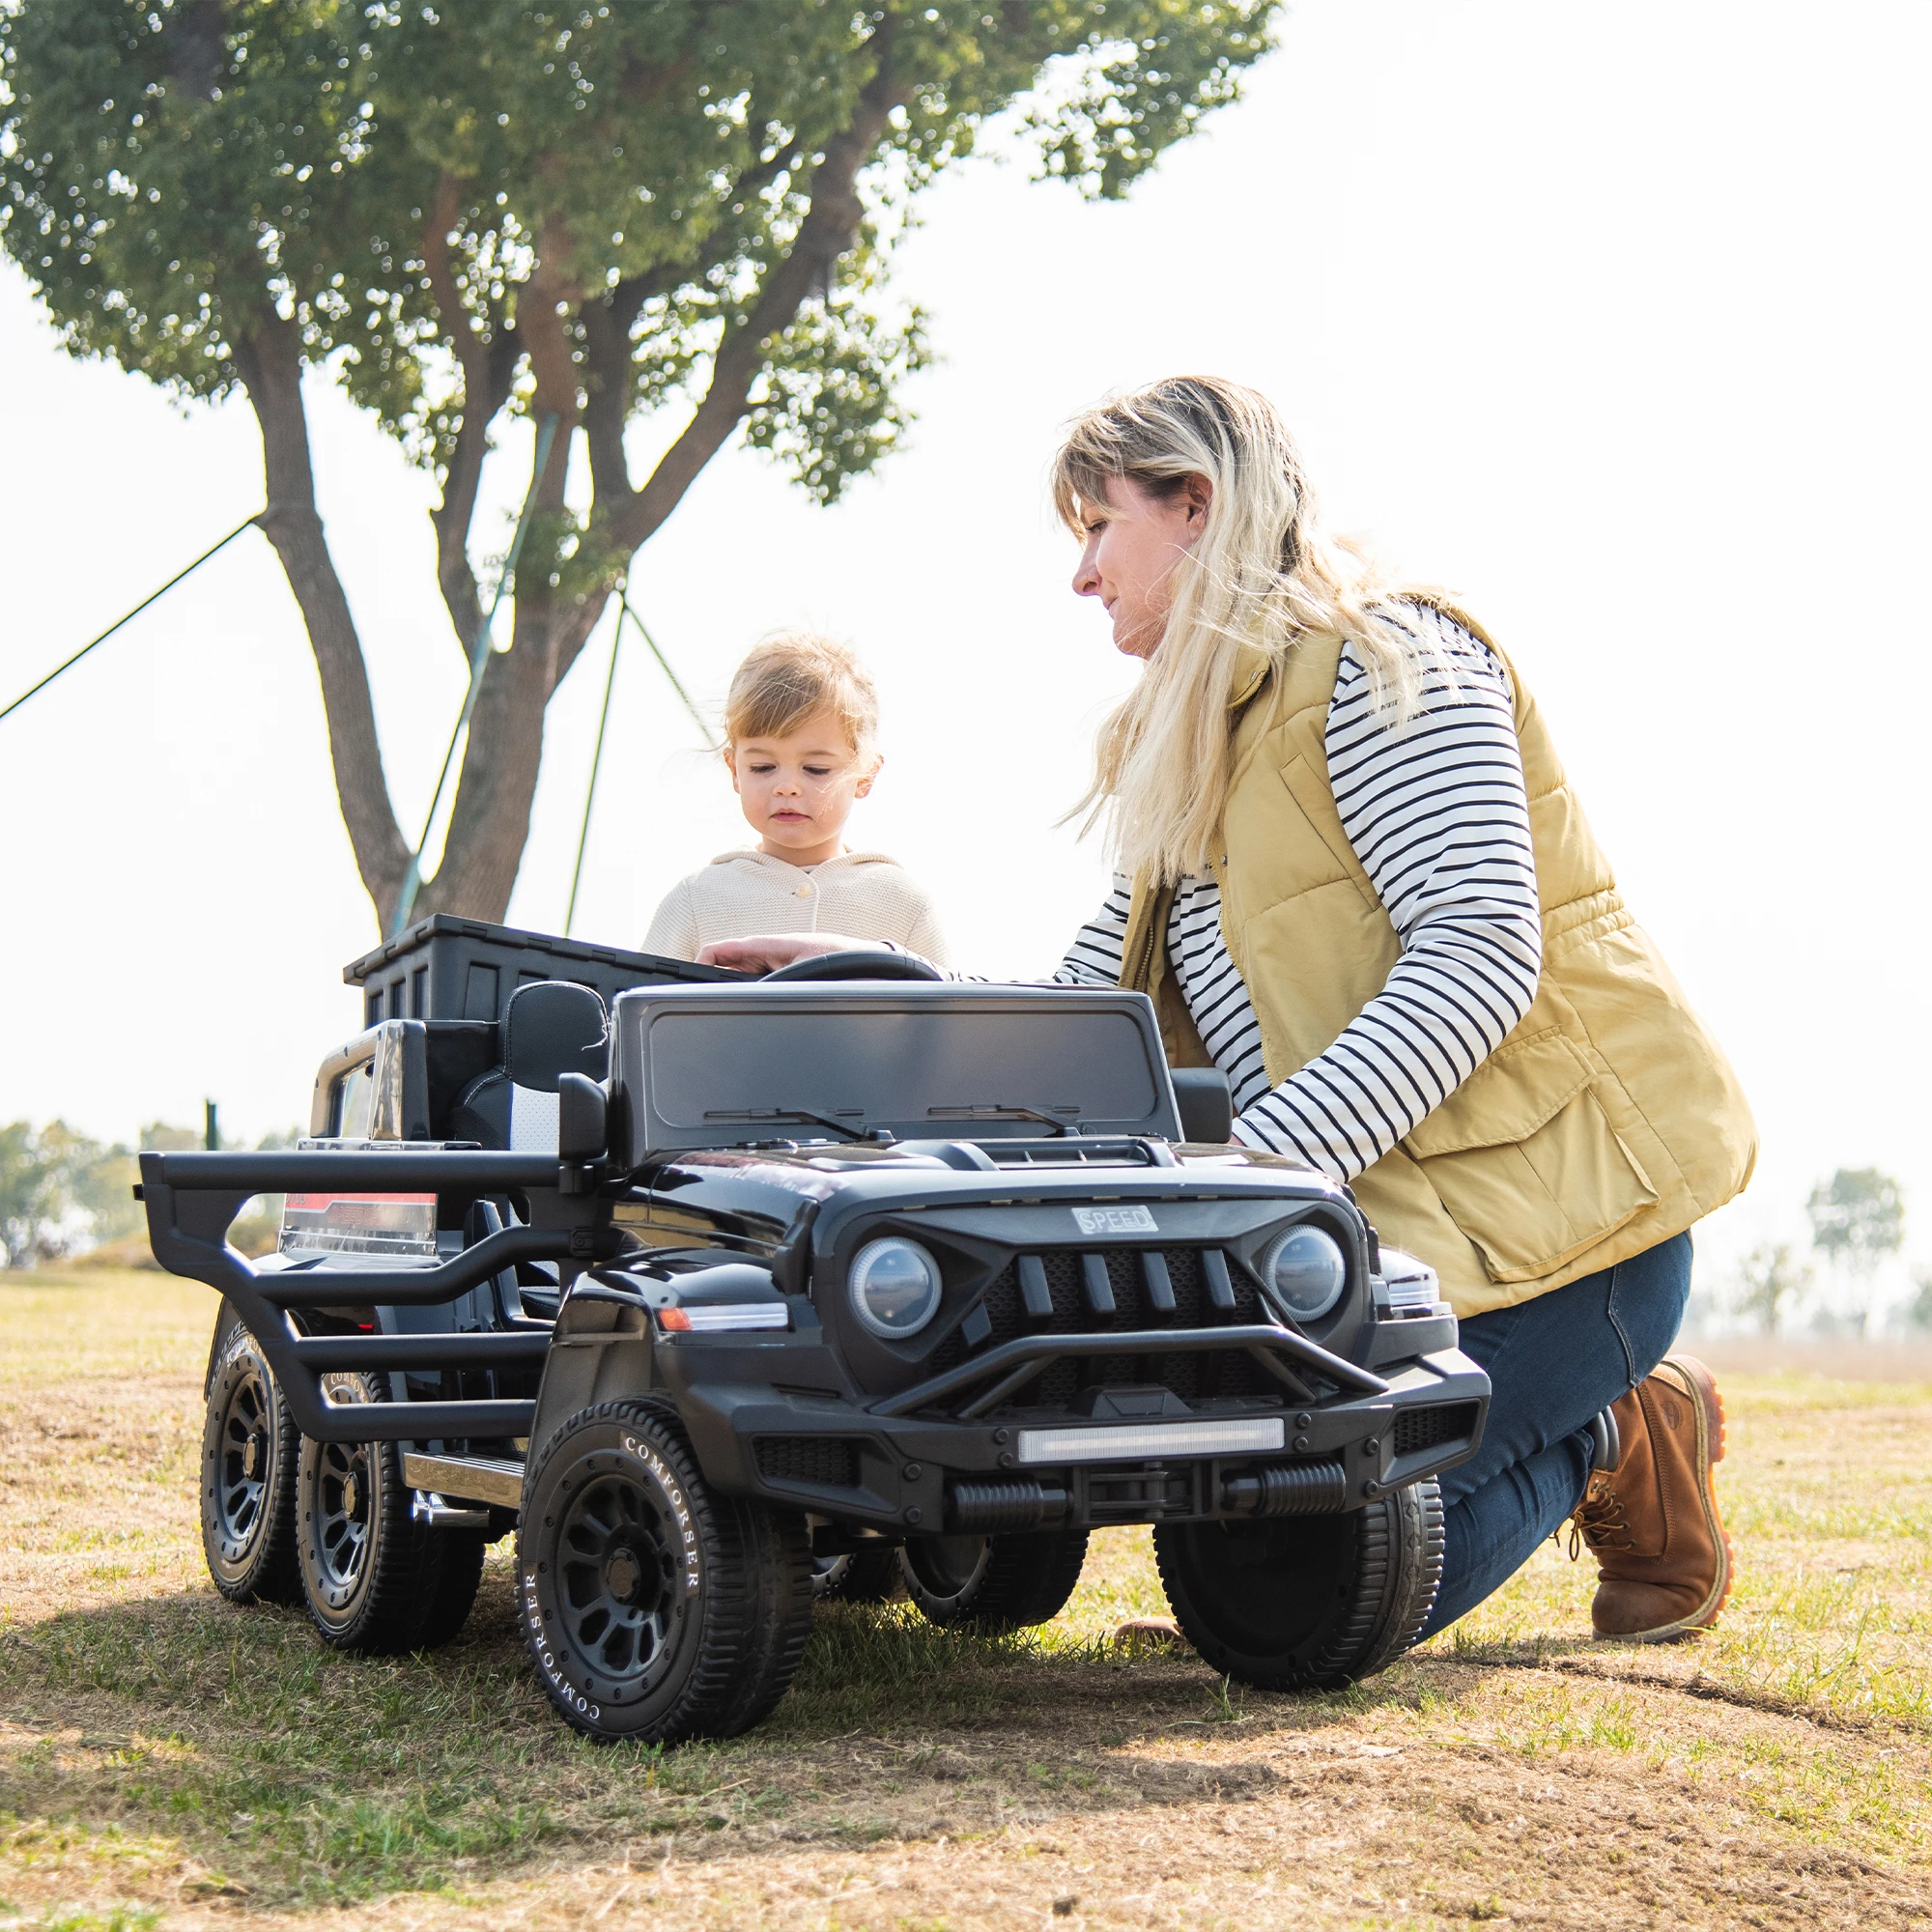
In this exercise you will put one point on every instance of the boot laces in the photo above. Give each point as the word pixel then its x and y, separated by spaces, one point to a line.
pixel 1598 1523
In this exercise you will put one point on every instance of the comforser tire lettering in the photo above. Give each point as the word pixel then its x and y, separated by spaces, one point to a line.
pixel 653 1609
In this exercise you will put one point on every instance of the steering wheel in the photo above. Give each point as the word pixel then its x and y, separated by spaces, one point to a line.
pixel 857 964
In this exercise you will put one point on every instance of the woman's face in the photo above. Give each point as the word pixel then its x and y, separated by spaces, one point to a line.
pixel 1133 541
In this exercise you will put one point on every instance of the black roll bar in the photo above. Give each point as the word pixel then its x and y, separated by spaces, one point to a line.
pixel 483 1351
pixel 192 1198
pixel 422 1287
pixel 309 1169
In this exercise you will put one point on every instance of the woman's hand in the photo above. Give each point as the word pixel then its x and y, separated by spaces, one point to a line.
pixel 767 952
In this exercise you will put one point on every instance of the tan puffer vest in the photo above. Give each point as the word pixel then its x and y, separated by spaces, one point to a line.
pixel 1608 1121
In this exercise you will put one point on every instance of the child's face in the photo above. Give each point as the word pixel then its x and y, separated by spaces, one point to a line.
pixel 798 791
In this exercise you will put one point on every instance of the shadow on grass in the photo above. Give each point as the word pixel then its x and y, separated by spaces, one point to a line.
pixel 315 1776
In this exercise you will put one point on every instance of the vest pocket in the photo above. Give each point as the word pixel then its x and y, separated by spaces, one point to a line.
pixel 1526 1162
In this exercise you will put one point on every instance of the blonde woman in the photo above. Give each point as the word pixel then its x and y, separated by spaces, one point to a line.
pixel 1353 876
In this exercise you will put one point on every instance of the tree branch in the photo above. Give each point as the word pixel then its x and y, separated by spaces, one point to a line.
pixel 269 365
pixel 488 367
pixel 829 226
pixel 607 378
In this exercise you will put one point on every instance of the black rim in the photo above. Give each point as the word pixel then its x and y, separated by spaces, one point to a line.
pixel 343 1507
pixel 618 1562
pixel 947 1566
pixel 244 1454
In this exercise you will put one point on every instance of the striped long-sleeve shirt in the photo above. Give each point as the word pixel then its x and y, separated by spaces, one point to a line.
pixel 1435 811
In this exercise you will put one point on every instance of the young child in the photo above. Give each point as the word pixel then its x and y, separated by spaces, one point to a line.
pixel 800 723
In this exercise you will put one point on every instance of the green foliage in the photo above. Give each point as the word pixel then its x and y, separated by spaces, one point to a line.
pixel 57 1191
pixel 1858 1218
pixel 62 1193
pixel 175 178
pixel 1918 1310
pixel 1771 1281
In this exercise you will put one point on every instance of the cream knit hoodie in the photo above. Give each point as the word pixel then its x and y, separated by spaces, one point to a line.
pixel 861 894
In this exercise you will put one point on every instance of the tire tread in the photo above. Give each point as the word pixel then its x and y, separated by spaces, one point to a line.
pixel 757 1589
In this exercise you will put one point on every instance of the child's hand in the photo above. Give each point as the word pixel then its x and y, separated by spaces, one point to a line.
pixel 767 952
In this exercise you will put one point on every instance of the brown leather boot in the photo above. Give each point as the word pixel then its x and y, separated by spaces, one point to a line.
pixel 1652 1522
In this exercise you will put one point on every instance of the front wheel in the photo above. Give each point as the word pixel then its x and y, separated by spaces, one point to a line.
pixel 652 1608
pixel 994 1582
pixel 1306 1603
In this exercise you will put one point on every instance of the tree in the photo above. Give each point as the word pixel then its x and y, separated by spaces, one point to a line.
pixel 1918 1310
pixel 581 214
pixel 1858 1219
pixel 57 1189
pixel 1770 1281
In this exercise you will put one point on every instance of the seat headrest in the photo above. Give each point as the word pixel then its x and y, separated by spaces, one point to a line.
pixel 553 1027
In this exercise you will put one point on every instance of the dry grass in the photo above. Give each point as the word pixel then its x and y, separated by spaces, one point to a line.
pixel 166 1759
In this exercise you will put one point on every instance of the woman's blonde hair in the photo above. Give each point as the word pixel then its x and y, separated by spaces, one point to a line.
pixel 790 676
pixel 1262 573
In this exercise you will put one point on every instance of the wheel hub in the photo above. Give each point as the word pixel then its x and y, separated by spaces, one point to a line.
pixel 242 1471
pixel 617 1570
pixel 624 1576
pixel 343 1497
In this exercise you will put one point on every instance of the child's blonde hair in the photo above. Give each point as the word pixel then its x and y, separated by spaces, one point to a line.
pixel 791 675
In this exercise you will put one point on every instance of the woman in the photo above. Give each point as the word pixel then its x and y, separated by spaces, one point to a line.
pixel 1355 878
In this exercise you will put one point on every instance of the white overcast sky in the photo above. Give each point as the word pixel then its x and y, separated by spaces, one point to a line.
pixel 1611 319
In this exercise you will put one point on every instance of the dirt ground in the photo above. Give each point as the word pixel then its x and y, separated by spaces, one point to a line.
pixel 166 1759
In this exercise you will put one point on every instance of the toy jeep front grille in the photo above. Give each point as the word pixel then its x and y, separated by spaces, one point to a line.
pixel 1148 1287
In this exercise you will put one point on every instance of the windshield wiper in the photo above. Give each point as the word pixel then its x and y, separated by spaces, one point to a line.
pixel 1058 1125
pixel 799 1115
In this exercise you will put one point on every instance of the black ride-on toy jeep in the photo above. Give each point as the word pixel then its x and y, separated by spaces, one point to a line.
pixel 721 1294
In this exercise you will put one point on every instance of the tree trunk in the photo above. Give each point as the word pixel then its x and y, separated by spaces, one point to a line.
pixel 270 363
pixel 496 783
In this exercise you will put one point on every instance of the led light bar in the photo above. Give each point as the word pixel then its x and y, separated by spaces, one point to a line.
pixel 710 1317
pixel 1135 1442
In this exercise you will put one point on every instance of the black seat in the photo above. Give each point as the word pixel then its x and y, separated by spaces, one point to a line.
pixel 551 1027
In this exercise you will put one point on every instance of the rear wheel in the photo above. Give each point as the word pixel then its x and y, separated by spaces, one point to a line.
pixel 375 1577
pixel 994 1582
pixel 652 1608
pixel 1306 1603
pixel 249 1451
pixel 866 1575
pixel 459 1574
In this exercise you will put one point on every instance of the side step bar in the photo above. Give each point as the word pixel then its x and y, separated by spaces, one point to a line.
pixel 481 1478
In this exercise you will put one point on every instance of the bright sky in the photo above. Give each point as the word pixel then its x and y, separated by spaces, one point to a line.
pixel 1610 319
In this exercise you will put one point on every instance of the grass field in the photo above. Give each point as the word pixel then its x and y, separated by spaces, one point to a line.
pixel 166 1759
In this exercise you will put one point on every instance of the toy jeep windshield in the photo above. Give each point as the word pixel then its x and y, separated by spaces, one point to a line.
pixel 722 1294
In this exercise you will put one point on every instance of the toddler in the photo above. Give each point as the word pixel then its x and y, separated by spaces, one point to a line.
pixel 800 723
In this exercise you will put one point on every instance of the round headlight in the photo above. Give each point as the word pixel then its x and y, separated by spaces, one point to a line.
pixel 1305 1272
pixel 894 1287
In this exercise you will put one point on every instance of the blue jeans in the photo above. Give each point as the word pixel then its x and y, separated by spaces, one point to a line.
pixel 1553 1362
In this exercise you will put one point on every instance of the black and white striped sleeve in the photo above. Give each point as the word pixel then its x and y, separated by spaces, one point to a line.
pixel 1435 811
pixel 1093 959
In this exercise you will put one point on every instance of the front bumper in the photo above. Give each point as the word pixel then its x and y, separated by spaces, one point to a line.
pixel 1129 1456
